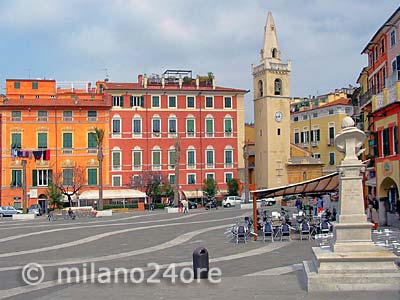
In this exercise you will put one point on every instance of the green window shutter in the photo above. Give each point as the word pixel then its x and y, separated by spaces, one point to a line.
pixel 172 158
pixel 318 135
pixel 42 140
pixel 172 179
pixel 92 176
pixel 312 135
pixel 191 157
pixel 156 158
pixel 18 178
pixel 67 140
pixel 16 140
pixel 142 101
pixel 34 177
pixel 396 139
pixel 122 101
pixel 131 101
pixel 35 85
pixel 190 125
pixel 50 176
pixel 136 158
pixel 116 159
pixel 92 140
pixel 210 158
pixel 228 156
pixel 296 137
pixel 228 125
pixel 209 126
pixel 331 132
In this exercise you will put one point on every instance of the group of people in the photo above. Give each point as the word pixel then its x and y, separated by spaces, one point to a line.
pixel 318 205
pixel 183 206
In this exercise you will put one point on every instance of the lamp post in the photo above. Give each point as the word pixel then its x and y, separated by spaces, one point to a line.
pixel 246 172
pixel 24 199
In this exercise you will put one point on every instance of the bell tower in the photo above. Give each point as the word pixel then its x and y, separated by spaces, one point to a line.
pixel 271 81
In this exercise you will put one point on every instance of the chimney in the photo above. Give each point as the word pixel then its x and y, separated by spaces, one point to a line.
pixel 213 82
pixel 163 81
pixel 140 79
pixel 145 81
pixel 180 82
pixel 197 82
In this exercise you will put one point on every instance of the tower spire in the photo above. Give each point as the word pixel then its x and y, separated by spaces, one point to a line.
pixel 270 48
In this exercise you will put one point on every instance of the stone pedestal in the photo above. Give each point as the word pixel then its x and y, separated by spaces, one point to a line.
pixel 353 262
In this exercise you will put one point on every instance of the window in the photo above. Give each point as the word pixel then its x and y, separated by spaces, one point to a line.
pixel 228 158
pixel 17 85
pixel 210 158
pixel 16 140
pixel 376 53
pixel 191 178
pixel 209 102
pixel 278 132
pixel 210 176
pixel 171 159
pixel 116 160
pixel 383 45
pixel 190 128
pixel 347 111
pixel 305 137
pixel 137 101
pixel 171 179
pixel 295 119
pixel 395 140
pixel 15 116
pixel 16 178
pixel 137 159
pixel 297 137
pixel 116 180
pixel 68 176
pixel 332 158
pixel 385 142
pixel 155 101
pixel 116 126
pixel 315 115
pixel 305 117
pixel 172 126
pixel 392 38
pixel 317 156
pixel 92 115
pixel 118 101
pixel 137 180
pixel 190 102
pixel 156 125
pixel 228 127
pixel 209 127
pixel 92 176
pixel 278 87
pixel 172 101
pixel 35 85
pixel 67 142
pixel 92 144
pixel 191 159
pixel 67 115
pixel 137 126
pixel 274 52
pixel 227 102
pixel 42 140
pixel 42 116
pixel 41 177
pixel 228 177
pixel 260 88
pixel 315 136
pixel 331 111
pixel 156 160
pixel 331 136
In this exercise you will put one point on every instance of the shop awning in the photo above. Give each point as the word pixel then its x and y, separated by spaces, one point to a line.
pixel 320 185
pixel 192 194
pixel 112 194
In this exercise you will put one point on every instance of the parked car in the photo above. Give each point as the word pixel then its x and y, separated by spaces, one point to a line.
pixel 230 201
pixel 211 204
pixel 35 209
pixel 9 211
pixel 192 204
pixel 267 201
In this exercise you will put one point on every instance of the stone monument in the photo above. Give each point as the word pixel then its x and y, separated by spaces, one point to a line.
pixel 353 262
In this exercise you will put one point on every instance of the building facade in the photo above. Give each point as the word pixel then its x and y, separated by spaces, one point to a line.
pixel 314 126
pixel 48 129
pixel 182 128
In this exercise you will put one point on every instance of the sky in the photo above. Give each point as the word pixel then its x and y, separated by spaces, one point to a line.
pixel 85 40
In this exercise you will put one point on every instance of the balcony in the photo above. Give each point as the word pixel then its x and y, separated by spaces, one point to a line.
pixel 315 144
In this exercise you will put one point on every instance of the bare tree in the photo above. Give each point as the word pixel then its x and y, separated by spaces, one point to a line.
pixel 70 181
pixel 154 184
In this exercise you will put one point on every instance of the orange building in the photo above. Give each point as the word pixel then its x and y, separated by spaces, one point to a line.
pixel 48 126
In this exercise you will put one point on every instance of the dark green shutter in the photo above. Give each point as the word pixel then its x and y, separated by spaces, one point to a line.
pixel 16 140
pixel 312 135
pixel 209 126
pixel 50 176
pixel 131 98
pixel 92 140
pixel 122 101
pixel 34 177
pixel 42 140
pixel 396 139
pixel 376 148
pixel 142 101
pixel 67 140
pixel 190 125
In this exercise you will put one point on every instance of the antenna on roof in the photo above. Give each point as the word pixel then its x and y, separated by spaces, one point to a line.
pixel 107 76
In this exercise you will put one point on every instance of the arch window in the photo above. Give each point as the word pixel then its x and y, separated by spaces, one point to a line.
pixel 274 53
pixel 260 88
pixel 278 87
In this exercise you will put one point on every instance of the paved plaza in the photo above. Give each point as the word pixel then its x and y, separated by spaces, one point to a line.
pixel 255 270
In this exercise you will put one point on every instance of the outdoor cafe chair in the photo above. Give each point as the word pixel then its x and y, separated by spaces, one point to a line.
pixel 268 231
pixel 305 230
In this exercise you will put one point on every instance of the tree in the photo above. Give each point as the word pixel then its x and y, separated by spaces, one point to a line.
pixel 233 187
pixel 70 181
pixel 210 188
pixel 54 195
pixel 152 184
pixel 99 137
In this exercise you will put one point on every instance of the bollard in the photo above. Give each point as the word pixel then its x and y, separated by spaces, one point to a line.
pixel 200 263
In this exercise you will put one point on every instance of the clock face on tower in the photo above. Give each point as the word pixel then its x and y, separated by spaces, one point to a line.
pixel 278 116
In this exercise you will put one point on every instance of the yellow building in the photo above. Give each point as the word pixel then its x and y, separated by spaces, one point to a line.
pixel 314 127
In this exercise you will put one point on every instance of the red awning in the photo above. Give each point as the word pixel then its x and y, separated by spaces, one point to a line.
pixel 324 184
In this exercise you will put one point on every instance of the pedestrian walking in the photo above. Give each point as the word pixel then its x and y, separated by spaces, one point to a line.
pixel 185 206
pixel 298 204
pixel 315 206
pixel 320 205
pixel 180 206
